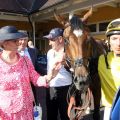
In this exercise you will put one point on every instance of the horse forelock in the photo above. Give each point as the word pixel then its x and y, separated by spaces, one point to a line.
pixel 76 23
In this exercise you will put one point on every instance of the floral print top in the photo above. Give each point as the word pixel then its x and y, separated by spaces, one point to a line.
pixel 15 88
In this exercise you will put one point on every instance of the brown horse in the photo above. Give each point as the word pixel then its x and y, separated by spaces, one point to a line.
pixel 82 52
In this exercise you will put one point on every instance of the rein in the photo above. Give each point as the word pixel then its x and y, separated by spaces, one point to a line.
pixel 82 109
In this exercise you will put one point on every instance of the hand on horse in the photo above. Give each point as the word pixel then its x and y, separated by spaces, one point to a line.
pixel 56 67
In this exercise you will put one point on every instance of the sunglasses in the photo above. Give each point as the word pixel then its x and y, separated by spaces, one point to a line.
pixel 54 39
pixel 12 40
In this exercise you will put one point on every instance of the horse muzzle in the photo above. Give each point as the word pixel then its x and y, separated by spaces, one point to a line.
pixel 81 83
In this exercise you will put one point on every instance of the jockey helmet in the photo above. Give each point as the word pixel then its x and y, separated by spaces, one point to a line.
pixel 113 27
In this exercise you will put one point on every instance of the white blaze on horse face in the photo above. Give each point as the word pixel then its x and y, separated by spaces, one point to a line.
pixel 78 32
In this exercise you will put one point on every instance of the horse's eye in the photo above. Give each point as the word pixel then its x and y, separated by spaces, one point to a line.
pixel 75 79
pixel 75 63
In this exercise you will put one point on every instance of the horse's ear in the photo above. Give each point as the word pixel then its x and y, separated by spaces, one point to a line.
pixel 60 19
pixel 71 14
pixel 87 15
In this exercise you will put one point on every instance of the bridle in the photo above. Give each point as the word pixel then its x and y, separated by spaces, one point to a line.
pixel 79 62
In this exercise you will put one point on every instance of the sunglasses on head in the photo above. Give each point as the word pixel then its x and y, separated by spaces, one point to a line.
pixel 114 25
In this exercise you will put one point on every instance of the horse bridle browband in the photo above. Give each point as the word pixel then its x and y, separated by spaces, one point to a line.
pixel 80 62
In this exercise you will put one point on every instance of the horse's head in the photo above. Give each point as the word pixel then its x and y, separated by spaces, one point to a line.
pixel 75 35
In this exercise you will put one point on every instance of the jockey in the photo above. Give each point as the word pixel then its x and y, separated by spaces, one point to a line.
pixel 109 68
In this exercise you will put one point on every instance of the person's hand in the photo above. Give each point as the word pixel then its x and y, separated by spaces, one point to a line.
pixel 56 67
pixel 71 104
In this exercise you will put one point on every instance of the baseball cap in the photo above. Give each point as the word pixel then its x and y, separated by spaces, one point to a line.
pixel 55 32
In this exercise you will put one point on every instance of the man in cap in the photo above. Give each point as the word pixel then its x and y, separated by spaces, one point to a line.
pixel 57 93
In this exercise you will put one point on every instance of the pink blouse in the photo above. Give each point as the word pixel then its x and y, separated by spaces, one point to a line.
pixel 15 89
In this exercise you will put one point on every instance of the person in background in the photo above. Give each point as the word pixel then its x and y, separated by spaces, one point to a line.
pixel 109 67
pixel 30 44
pixel 16 72
pixel 57 92
pixel 32 53
pixel 25 50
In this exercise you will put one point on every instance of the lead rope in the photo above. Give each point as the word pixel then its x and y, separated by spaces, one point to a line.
pixel 82 109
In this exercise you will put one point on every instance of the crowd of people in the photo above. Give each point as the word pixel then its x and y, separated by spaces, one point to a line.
pixel 18 72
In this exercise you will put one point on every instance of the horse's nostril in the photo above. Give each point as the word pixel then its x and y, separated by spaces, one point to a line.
pixel 80 83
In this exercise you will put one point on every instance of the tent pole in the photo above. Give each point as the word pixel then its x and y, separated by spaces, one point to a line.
pixel 33 24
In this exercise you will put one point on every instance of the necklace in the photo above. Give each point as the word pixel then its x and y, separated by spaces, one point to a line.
pixel 8 59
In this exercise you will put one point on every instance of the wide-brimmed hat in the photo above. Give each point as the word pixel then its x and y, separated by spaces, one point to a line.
pixel 56 32
pixel 10 33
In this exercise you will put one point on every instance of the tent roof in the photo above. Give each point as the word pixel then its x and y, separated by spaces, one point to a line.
pixel 40 10
pixel 25 7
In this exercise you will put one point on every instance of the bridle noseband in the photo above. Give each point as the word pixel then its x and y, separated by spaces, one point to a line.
pixel 81 62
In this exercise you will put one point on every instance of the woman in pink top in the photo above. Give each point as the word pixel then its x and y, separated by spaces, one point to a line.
pixel 16 72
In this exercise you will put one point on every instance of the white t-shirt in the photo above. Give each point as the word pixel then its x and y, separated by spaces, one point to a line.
pixel 63 78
